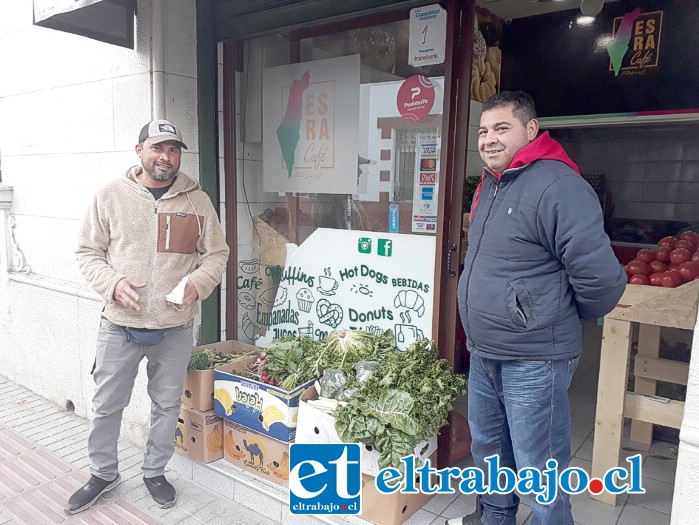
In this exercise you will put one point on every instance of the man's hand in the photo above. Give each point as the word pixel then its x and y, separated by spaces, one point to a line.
pixel 125 294
pixel 190 293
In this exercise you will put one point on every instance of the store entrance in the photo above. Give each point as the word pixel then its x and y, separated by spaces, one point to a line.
pixel 334 138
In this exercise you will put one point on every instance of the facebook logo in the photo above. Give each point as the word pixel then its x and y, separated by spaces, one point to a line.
pixel 325 478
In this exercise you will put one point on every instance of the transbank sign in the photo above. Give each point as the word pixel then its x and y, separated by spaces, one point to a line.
pixel 635 46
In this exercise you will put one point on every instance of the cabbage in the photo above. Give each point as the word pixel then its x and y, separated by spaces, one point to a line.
pixel 343 349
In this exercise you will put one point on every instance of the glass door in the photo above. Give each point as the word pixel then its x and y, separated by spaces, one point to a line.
pixel 339 166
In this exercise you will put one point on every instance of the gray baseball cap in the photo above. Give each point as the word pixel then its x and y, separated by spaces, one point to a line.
pixel 160 131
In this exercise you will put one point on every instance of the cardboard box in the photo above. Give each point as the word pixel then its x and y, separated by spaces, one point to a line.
pixel 198 390
pixel 199 435
pixel 257 453
pixel 391 509
pixel 316 426
pixel 263 408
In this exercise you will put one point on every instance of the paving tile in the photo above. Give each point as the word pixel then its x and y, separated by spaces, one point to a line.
pixel 587 511
pixel 576 441
pixel 421 517
pixel 582 424
pixel 464 504
pixel 658 496
pixel 6 517
pixel 265 505
pixel 660 469
pixel 214 480
pixel 440 502
pixel 635 515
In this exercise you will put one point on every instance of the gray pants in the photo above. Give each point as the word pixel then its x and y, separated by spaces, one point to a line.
pixel 116 367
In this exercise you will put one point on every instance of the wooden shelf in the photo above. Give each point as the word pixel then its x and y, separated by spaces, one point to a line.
pixel 652 308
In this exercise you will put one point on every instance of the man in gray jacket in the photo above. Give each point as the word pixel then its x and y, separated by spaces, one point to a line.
pixel 538 260
pixel 146 232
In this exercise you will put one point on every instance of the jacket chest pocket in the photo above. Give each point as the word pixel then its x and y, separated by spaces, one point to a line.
pixel 178 232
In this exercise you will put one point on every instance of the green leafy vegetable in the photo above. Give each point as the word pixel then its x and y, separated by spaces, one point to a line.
pixel 400 405
pixel 281 364
pixel 343 349
pixel 208 359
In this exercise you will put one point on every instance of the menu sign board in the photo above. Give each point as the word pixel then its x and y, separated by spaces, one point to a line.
pixel 635 57
pixel 350 279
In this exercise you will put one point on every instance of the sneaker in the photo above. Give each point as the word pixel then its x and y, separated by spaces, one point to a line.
pixel 86 496
pixel 162 491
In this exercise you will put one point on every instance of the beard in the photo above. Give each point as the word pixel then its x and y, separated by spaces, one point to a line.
pixel 162 176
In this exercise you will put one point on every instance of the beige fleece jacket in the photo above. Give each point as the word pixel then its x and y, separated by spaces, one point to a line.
pixel 127 233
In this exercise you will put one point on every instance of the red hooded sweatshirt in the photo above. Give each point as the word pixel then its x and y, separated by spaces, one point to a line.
pixel 541 148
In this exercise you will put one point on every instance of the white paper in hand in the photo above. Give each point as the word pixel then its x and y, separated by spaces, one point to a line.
pixel 176 296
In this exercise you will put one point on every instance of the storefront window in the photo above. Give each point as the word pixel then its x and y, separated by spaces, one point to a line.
pixel 347 137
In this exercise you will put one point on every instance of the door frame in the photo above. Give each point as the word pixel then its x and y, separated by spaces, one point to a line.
pixel 454 145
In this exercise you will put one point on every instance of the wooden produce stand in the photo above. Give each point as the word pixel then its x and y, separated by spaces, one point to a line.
pixel 652 308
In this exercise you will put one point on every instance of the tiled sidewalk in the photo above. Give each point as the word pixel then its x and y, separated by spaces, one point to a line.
pixel 43 460
pixel 44 446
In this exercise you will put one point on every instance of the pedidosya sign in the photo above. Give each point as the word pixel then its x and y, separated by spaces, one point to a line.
pixel 415 98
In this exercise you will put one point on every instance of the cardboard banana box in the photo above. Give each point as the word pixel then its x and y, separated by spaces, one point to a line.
pixel 199 435
pixel 257 453
pixel 198 390
pixel 316 426
pixel 263 408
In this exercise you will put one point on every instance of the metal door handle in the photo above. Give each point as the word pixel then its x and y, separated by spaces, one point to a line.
pixel 452 249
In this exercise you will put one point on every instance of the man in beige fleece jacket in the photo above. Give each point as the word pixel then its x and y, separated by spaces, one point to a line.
pixel 146 232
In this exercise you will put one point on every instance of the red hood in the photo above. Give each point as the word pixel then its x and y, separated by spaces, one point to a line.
pixel 542 148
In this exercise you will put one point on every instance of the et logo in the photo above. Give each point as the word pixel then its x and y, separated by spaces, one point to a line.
pixel 325 478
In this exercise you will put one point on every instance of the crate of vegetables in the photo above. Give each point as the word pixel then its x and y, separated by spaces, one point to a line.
pixel 674 262
pixel 198 390
pixel 264 394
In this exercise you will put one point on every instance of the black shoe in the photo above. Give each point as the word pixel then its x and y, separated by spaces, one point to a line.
pixel 162 491
pixel 86 496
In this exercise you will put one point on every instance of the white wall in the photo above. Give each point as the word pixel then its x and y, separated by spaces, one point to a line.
pixel 685 504
pixel 71 109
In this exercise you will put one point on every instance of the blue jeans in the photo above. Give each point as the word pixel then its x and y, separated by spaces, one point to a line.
pixel 519 410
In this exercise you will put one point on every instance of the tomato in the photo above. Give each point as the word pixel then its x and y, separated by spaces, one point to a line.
pixel 658 266
pixel 655 278
pixel 645 255
pixel 686 244
pixel 639 279
pixel 667 241
pixel 671 280
pixel 689 271
pixel 695 257
pixel 690 236
pixel 635 267
pixel 680 255
pixel 663 253
pixel 673 268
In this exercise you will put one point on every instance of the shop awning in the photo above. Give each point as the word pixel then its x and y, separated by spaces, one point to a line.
pixel 110 21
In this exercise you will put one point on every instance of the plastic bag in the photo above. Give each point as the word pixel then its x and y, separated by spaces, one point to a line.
pixel 365 369
pixel 347 393
pixel 332 383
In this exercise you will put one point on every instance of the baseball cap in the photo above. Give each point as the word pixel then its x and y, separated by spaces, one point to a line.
pixel 160 131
